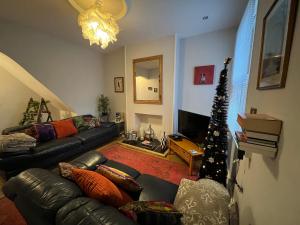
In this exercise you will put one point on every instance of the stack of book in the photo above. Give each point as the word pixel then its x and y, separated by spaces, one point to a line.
pixel 260 133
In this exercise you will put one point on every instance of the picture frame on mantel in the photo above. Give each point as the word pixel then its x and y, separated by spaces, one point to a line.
pixel 277 37
pixel 119 84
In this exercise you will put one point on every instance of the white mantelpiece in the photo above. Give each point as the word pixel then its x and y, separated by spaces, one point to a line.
pixel 160 116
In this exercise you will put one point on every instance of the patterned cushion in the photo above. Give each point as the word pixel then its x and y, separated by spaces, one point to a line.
pixel 91 121
pixel 203 202
pixel 64 128
pixel 152 213
pixel 120 178
pixel 99 187
pixel 80 123
pixel 65 170
pixel 44 132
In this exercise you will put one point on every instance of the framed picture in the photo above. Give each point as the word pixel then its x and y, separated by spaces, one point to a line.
pixel 204 74
pixel 119 84
pixel 277 36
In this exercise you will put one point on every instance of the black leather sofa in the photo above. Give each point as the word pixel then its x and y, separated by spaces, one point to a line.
pixel 45 198
pixel 48 154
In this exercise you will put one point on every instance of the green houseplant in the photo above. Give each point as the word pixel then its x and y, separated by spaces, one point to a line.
pixel 103 108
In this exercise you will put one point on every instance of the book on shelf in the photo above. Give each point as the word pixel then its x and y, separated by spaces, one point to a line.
pixel 262 136
pixel 265 150
pixel 255 145
pixel 260 123
pixel 242 137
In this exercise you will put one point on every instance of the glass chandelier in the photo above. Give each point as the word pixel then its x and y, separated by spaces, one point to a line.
pixel 97 26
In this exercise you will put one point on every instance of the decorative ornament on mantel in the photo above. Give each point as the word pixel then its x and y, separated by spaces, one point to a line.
pixel 98 19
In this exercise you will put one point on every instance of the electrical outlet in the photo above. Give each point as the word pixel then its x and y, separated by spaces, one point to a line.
pixel 253 110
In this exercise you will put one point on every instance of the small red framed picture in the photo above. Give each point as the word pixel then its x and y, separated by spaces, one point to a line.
pixel 204 74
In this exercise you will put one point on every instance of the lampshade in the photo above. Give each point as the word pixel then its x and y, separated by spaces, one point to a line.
pixel 97 26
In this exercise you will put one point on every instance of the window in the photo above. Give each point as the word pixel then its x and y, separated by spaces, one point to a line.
pixel 241 65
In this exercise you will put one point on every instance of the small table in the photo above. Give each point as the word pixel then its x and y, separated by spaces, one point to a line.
pixel 187 150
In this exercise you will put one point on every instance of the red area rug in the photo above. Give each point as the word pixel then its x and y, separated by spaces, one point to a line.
pixel 148 164
pixel 9 215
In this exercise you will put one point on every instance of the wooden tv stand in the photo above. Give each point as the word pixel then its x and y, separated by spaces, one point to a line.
pixel 183 149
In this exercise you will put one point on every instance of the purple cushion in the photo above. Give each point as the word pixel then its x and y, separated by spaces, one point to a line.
pixel 45 132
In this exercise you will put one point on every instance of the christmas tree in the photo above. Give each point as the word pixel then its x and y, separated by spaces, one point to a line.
pixel 215 144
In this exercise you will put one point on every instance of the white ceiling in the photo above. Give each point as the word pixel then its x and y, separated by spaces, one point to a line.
pixel 145 20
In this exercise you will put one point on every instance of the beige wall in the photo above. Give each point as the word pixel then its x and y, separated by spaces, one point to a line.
pixel 114 66
pixel 271 187
pixel 14 96
pixel 205 49
pixel 74 73
pixel 166 47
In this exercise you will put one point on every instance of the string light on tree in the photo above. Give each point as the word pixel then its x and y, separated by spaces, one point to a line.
pixel 215 144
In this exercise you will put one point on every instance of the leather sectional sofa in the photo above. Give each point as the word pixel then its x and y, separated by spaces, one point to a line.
pixel 48 154
pixel 45 198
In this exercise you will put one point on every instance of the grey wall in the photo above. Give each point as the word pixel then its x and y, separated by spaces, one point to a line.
pixel 74 73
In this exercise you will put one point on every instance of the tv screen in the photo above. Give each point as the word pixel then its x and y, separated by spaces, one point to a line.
pixel 193 126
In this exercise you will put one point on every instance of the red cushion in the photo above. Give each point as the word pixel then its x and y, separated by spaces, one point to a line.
pixel 99 187
pixel 64 128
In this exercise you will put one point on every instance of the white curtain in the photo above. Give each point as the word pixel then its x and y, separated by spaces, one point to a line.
pixel 241 65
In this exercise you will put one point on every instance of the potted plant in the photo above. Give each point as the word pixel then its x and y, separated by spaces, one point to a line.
pixel 103 108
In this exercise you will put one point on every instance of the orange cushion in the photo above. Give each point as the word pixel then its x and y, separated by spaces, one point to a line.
pixel 99 187
pixel 64 128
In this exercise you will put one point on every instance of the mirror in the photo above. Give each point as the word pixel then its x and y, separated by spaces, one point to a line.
pixel 147 80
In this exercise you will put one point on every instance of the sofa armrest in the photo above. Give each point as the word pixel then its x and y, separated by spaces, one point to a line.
pixel 42 190
pixel 15 129
pixel 87 211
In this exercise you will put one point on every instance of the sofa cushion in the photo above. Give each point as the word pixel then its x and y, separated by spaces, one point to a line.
pixel 42 189
pixel 126 169
pixel 152 213
pixel 99 187
pixel 209 199
pixel 64 128
pixel 44 132
pixel 120 178
pixel 156 189
pixel 86 211
pixel 80 123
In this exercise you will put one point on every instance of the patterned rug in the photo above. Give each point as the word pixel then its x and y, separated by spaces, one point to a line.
pixel 148 164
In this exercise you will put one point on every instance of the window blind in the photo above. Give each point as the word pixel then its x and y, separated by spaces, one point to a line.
pixel 241 65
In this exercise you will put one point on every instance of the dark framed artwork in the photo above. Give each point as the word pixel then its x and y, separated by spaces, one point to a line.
pixel 204 74
pixel 119 84
pixel 277 36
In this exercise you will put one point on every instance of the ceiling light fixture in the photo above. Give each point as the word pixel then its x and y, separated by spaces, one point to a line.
pixel 98 26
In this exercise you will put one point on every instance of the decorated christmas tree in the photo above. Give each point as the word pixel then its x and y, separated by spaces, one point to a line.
pixel 215 144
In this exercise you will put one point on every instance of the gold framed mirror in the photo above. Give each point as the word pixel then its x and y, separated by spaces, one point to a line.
pixel 147 80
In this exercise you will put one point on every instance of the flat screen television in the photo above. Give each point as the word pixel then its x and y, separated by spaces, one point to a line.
pixel 193 126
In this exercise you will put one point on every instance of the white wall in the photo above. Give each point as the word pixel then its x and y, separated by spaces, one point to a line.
pixel 114 66
pixel 72 72
pixel 166 47
pixel 205 49
pixel 271 187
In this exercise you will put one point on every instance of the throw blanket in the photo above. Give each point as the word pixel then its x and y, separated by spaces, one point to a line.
pixel 16 142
